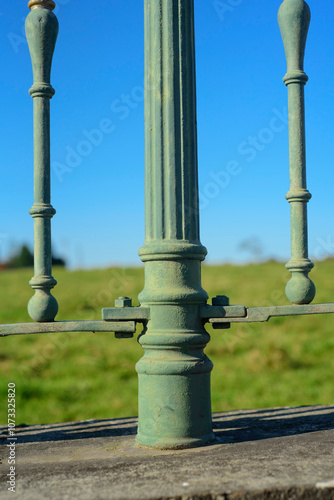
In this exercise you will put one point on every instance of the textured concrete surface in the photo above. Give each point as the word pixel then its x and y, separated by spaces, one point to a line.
pixel 280 453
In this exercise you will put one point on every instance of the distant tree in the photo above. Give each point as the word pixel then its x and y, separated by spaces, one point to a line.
pixel 253 246
pixel 58 261
pixel 25 258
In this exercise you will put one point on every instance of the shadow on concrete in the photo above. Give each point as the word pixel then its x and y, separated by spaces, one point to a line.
pixel 231 427
pixel 73 430
pixel 253 425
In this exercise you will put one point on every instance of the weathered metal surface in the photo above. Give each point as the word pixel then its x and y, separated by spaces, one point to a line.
pixel 261 314
pixel 123 302
pixel 174 374
pixel 221 309
pixel 223 312
pixel 127 327
pixel 140 314
pixel 294 19
pixel 123 310
pixel 221 300
pixel 42 31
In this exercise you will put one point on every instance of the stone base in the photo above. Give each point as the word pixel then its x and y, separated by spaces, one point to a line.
pixel 279 453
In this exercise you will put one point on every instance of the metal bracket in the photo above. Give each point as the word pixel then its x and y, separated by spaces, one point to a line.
pixel 221 316
pixel 123 311
pixel 138 314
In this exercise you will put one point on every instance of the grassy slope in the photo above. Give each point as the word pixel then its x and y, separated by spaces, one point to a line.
pixel 83 375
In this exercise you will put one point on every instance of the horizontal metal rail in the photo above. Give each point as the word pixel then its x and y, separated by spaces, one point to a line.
pixel 68 326
pixel 226 315
pixel 262 314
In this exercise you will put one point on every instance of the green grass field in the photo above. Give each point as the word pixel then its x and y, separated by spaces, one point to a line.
pixel 74 376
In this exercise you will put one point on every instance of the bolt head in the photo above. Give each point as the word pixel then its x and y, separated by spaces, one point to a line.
pixel 220 300
pixel 122 335
pixel 123 302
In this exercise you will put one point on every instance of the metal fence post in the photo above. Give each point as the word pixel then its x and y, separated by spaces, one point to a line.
pixel 174 374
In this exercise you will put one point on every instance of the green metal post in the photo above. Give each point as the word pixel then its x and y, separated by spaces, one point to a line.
pixel 294 20
pixel 174 374
pixel 42 31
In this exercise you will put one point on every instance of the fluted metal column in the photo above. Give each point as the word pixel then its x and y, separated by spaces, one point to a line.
pixel 294 19
pixel 174 374
pixel 42 31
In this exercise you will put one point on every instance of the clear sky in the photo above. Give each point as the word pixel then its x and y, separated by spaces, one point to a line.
pixel 98 189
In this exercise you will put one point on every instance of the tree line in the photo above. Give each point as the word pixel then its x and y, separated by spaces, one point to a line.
pixel 23 257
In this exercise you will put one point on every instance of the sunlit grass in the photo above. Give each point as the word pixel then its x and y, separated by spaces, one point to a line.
pixel 72 376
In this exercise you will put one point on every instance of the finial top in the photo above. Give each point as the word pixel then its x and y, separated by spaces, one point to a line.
pixel 33 4
pixel 294 19
pixel 41 30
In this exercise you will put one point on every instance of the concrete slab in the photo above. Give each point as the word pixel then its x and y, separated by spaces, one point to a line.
pixel 279 453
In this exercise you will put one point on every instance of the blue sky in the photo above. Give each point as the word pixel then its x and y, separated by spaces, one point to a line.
pixel 98 190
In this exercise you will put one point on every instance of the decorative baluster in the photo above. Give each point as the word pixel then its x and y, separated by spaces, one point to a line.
pixel 42 31
pixel 294 19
